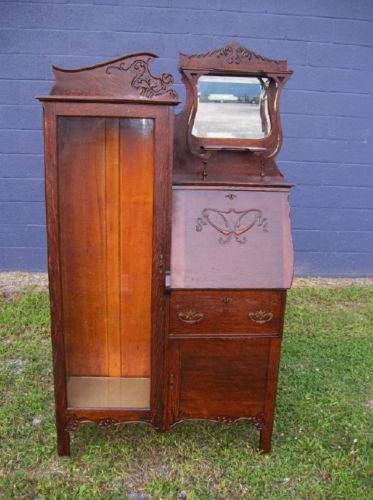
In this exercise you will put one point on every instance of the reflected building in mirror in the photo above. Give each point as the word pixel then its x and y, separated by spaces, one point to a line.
pixel 232 107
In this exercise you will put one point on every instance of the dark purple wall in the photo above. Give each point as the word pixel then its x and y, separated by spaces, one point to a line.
pixel 327 106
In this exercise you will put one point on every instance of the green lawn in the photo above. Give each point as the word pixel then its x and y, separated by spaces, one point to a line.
pixel 322 440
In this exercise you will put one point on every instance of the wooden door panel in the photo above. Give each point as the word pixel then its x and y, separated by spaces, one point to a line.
pixel 219 378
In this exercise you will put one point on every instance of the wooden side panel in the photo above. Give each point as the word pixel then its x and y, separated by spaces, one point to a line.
pixel 54 272
pixel 136 234
pixel 81 155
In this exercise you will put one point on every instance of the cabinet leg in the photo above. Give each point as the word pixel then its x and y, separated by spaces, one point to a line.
pixel 63 443
pixel 265 438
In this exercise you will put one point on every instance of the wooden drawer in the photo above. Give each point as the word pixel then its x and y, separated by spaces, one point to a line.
pixel 226 312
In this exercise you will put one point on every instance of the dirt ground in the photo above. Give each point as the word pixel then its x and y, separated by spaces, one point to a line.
pixel 16 281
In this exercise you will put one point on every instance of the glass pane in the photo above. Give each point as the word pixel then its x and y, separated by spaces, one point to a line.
pixel 232 107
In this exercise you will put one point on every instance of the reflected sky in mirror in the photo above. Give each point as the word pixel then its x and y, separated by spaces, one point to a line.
pixel 232 107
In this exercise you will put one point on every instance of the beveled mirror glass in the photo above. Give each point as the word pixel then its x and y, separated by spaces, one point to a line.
pixel 234 107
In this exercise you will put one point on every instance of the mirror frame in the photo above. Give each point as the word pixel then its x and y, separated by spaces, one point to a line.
pixel 233 60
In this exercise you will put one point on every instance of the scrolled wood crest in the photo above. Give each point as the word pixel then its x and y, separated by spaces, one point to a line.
pixel 232 223
pixel 143 81
pixel 124 78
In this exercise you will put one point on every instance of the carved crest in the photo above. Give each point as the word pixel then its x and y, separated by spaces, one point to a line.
pixel 231 56
pixel 124 78
pixel 232 223
pixel 234 53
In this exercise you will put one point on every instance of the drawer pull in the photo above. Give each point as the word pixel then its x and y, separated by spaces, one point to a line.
pixel 260 317
pixel 190 317
pixel 226 300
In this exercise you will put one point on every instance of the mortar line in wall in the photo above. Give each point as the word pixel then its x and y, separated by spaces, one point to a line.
pixel 362 209
pixel 328 185
pixel 170 8
pixel 228 36
pixel 283 162
pixel 331 252
pixel 24 224
pixel 333 230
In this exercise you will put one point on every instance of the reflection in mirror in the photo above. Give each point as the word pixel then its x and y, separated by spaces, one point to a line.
pixel 232 107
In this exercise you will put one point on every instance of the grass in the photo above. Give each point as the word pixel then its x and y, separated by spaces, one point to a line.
pixel 322 440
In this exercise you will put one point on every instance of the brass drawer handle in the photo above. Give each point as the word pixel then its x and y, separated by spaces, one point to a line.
pixel 260 317
pixel 190 317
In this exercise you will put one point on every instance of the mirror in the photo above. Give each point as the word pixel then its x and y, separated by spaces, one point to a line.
pixel 232 107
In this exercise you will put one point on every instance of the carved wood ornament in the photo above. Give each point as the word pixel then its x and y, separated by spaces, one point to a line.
pixel 232 223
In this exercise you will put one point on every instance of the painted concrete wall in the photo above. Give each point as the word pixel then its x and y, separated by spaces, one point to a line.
pixel 327 106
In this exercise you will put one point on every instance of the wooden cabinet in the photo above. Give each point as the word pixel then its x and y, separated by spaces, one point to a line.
pixel 167 296
pixel 108 157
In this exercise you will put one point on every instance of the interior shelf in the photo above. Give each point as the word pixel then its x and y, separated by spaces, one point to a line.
pixel 108 392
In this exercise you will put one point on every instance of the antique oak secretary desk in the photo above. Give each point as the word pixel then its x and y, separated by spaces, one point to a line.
pixel 169 243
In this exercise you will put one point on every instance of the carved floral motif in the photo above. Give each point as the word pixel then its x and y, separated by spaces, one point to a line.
pixel 232 223
pixel 258 420
pixel 144 82
pixel 73 422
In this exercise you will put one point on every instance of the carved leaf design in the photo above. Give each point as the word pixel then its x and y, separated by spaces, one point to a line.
pixel 231 222
pixel 143 81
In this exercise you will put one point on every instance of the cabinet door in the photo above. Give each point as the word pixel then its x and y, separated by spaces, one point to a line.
pixel 109 191
pixel 218 379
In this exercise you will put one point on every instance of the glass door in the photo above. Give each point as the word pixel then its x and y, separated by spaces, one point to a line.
pixel 106 230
